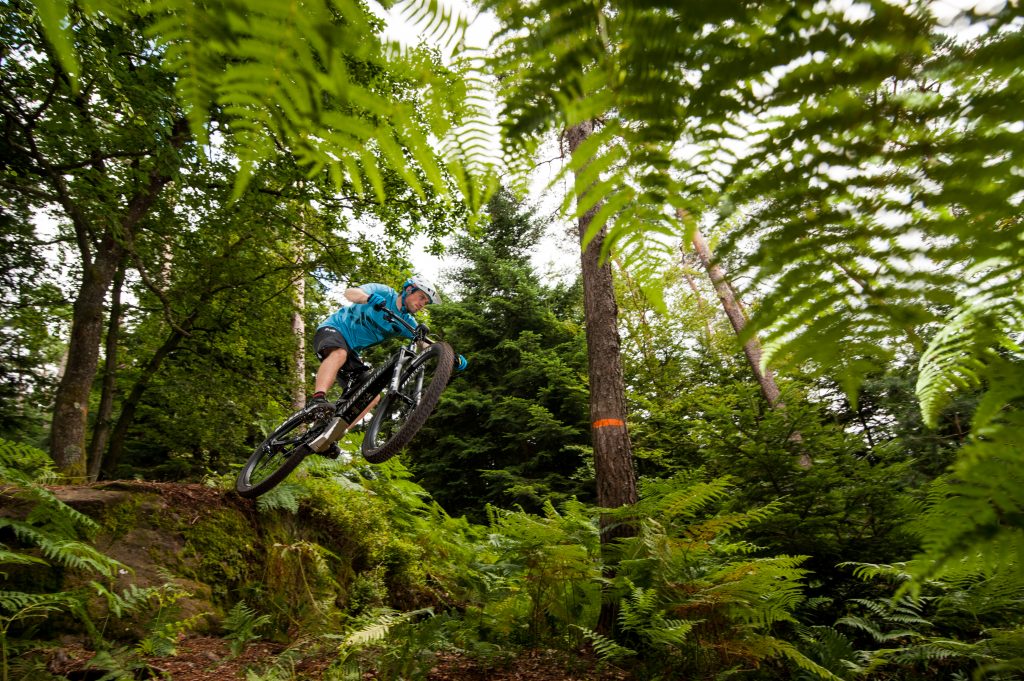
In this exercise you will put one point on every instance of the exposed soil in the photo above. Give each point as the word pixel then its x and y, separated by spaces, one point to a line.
pixel 203 657
pixel 179 495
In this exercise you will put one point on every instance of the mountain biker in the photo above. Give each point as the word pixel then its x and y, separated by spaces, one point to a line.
pixel 356 327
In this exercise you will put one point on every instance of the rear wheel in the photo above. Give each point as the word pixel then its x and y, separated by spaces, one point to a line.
pixel 400 415
pixel 279 454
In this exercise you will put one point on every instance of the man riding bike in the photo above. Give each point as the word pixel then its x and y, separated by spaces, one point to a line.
pixel 354 328
pixel 402 392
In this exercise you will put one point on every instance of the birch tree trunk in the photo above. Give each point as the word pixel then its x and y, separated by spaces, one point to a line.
pixel 299 330
pixel 613 454
pixel 737 317
pixel 752 347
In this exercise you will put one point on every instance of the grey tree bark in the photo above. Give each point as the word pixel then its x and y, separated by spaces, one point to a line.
pixel 103 422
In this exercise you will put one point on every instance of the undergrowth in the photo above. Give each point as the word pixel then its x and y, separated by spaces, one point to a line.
pixel 359 565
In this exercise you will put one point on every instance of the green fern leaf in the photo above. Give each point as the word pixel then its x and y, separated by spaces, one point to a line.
pixel 961 355
pixel 607 649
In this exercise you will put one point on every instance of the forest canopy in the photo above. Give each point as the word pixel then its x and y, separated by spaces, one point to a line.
pixel 801 245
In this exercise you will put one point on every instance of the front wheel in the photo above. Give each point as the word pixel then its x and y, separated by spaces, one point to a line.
pixel 279 454
pixel 401 414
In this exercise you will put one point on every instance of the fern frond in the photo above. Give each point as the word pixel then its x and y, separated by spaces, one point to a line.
pixel 291 76
pixel 13 558
pixel 761 591
pixel 972 521
pixel 435 22
pixel 607 649
pixel 772 647
pixel 829 647
pixel 686 502
pixel 381 625
pixel 868 571
pixel 284 497
pixel 17 601
pixel 22 464
pixel 966 349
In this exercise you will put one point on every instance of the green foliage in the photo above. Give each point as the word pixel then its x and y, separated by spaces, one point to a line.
pixel 167 627
pixel 54 537
pixel 51 527
pixel 691 599
pixel 357 522
pixel 33 311
pixel 218 550
pixel 296 77
pixel 284 497
pixel 242 625
pixel 853 159
pixel 968 624
pixel 510 431
pixel 973 516
pixel 544 573
pixel 606 648
pixel 24 463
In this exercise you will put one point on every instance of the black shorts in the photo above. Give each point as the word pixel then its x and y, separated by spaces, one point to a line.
pixel 327 338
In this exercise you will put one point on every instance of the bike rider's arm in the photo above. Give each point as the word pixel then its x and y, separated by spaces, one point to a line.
pixel 357 295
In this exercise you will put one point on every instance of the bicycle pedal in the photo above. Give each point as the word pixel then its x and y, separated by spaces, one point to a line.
pixel 332 452
pixel 319 409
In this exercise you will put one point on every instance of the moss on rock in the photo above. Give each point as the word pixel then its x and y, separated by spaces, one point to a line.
pixel 220 550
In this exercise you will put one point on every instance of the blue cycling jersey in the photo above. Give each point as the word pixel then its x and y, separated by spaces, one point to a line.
pixel 362 326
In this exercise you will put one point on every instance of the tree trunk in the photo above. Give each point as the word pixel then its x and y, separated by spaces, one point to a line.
pixel 101 248
pixel 613 455
pixel 299 330
pixel 101 428
pixel 752 347
pixel 737 317
pixel 67 434
pixel 127 415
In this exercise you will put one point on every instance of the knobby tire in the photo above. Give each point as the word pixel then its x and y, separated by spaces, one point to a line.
pixel 267 451
pixel 444 356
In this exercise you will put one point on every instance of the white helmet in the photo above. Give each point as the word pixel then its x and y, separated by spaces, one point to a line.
pixel 419 283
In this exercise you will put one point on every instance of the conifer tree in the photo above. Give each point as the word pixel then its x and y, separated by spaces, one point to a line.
pixel 512 430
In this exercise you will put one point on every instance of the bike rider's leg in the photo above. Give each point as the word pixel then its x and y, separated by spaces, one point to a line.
pixel 333 352
pixel 328 371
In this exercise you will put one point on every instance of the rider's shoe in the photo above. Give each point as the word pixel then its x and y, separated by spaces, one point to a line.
pixel 318 404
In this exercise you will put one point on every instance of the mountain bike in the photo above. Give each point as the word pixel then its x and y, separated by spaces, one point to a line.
pixel 401 393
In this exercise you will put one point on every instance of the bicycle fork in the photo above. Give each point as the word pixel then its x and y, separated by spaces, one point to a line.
pixel 394 389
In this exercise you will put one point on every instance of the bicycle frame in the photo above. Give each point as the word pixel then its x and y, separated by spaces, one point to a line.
pixel 348 410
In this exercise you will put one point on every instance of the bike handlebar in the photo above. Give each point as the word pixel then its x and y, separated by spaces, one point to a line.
pixel 419 331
